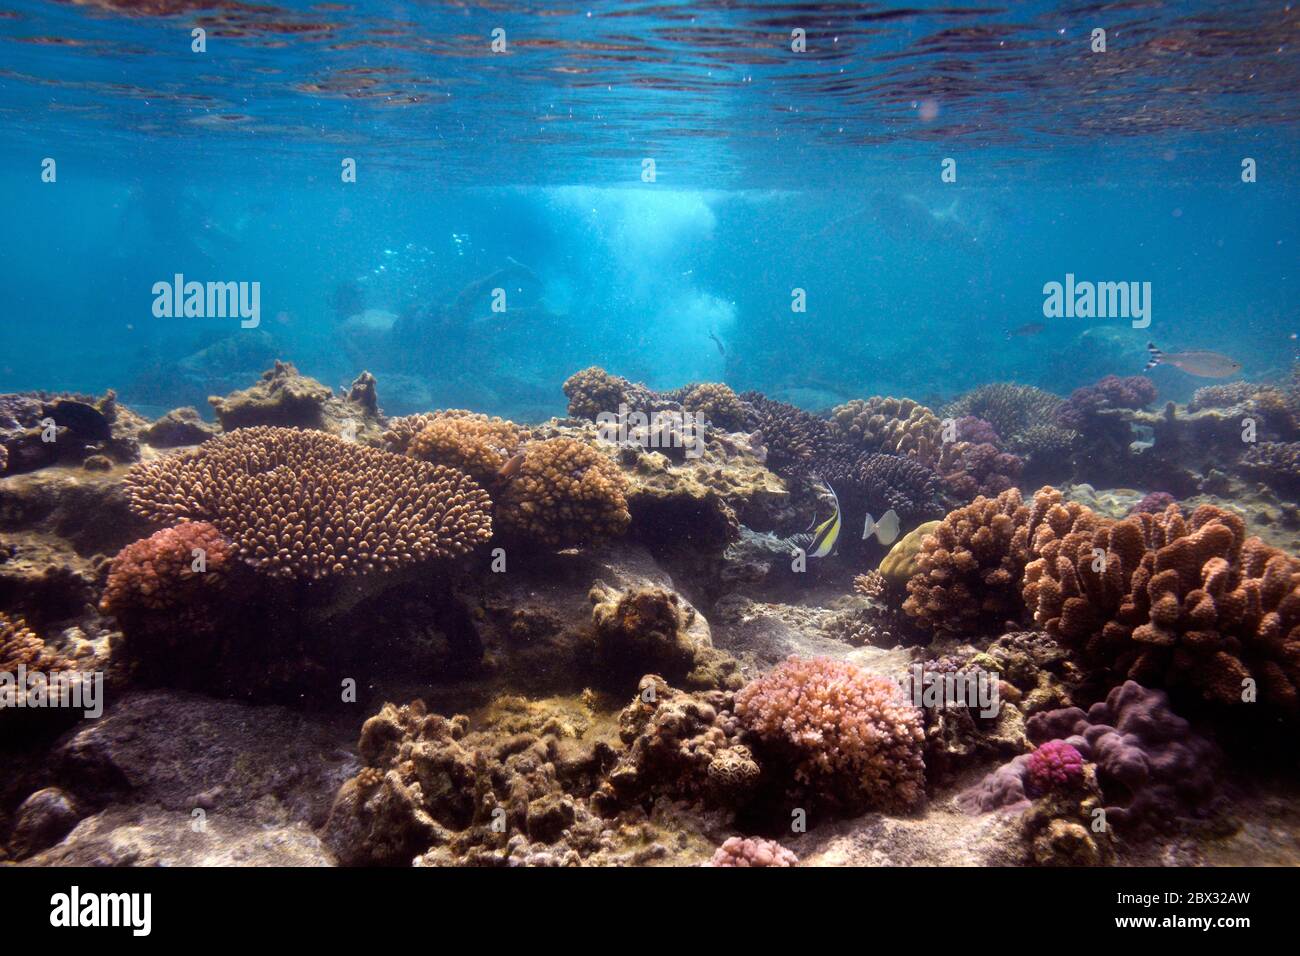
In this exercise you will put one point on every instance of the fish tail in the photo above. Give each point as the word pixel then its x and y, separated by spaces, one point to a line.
pixel 1156 356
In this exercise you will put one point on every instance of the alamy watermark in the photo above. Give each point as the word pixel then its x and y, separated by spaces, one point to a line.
pixel 73 690
pixel 1098 300
pixel 208 300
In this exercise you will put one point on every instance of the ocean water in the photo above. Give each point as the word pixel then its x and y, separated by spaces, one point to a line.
pixel 773 171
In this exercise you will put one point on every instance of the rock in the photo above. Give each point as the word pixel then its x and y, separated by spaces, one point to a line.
pixel 179 427
pixel 42 819
pixel 178 752
pixel 150 836
pixel 287 398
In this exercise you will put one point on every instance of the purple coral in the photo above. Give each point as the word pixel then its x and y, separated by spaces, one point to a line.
pixel 752 851
pixel 1153 503
pixel 1055 764
pixel 983 470
pixel 1151 767
pixel 977 431
pixel 1135 391
pixel 846 736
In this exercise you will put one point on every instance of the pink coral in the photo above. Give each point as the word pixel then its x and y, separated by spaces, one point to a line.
pixel 159 572
pixel 755 851
pixel 1054 764
pixel 1135 391
pixel 847 736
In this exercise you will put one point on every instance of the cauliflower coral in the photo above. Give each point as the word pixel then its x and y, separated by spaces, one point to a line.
pixel 850 737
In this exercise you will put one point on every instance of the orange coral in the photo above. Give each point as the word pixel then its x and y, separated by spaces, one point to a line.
pixel 969 568
pixel 479 445
pixel 564 493
pixel 306 504
pixel 159 573
pixel 21 646
pixel 1164 599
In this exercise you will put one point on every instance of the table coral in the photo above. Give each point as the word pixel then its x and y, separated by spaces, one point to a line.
pixel 305 504
pixel 158 573
pixel 850 737
pixel 968 569
pixel 565 493
pixel 753 851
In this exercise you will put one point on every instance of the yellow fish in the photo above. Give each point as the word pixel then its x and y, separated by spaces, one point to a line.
pixel 827 534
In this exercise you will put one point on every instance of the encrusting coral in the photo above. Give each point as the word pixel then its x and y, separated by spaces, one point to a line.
pixel 968 568
pixel 849 737
pixel 171 570
pixel 305 504
pixel 564 493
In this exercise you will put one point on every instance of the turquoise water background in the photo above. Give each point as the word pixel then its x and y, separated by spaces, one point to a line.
pixel 774 171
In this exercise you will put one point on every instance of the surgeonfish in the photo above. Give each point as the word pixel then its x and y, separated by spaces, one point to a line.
pixel 827 534
pixel 885 530
pixel 1200 363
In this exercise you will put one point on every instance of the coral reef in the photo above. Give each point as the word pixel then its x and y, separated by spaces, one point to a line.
pixel 593 391
pixel 179 427
pixel 968 569
pixel 479 445
pixel 898 566
pixel 895 426
pixel 175 570
pixel 1277 464
pixel 752 851
pixel 650 630
pixel 1078 411
pixel 849 737
pixel 39 429
pixel 1152 768
pixel 795 440
pixel 306 504
pixel 1168 600
pixel 1013 411
pixel 875 482
pixel 1154 502
pixel 716 404
pixel 20 646
pixel 285 398
pixel 564 493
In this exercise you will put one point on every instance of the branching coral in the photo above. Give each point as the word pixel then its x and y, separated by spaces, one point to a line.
pixel 795 440
pixel 1275 463
pixel 305 504
pixel 479 445
pixel 171 570
pixel 877 482
pixel 1012 410
pixel 753 851
pixel 21 646
pixel 1171 600
pixel 980 469
pixel 849 736
pixel 968 569
pixel 564 493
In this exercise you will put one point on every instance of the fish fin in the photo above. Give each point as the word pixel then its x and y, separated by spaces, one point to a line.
pixel 1155 354
pixel 868 526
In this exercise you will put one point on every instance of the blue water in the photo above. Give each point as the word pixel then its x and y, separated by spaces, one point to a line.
pixel 774 171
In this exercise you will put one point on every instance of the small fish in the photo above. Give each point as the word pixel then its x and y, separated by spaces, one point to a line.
pixel 827 534
pixel 885 530
pixel 1025 331
pixel 722 349
pixel 1199 363
pixel 511 468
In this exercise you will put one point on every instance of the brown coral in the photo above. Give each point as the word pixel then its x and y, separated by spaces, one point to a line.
pixel 594 391
pixel 479 445
pixel 1164 599
pixel 306 504
pixel 716 404
pixel 171 569
pixel 20 646
pixel 564 493
pixel 968 569
pixel 896 426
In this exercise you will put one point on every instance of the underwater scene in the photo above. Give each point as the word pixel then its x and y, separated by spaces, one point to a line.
pixel 628 434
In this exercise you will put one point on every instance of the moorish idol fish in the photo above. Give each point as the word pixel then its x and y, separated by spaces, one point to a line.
pixel 827 534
